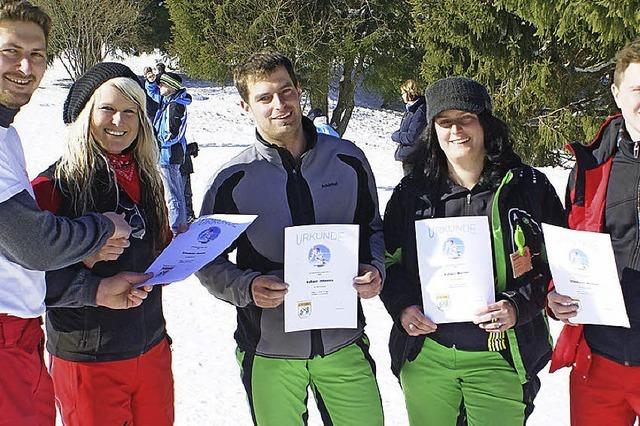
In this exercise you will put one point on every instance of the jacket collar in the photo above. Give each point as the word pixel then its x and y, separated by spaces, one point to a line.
pixel 281 156
pixel 603 145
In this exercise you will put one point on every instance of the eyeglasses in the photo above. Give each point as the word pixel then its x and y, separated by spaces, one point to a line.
pixel 464 120
pixel 132 215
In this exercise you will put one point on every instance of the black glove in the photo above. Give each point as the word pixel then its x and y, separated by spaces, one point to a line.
pixel 192 149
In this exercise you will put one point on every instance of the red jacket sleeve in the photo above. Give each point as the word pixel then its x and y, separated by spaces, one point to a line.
pixel 47 195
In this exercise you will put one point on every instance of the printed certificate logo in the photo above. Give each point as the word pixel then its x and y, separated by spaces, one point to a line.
pixel 319 255
pixel 578 259
pixel 209 234
pixel 453 248
pixel 442 301
pixel 304 309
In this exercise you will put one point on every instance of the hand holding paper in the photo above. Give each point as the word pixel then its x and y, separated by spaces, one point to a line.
pixel 563 307
pixel 268 291
pixel 369 283
pixel 415 323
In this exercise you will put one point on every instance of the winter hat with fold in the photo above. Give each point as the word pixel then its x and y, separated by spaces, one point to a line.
pixel 459 93
pixel 87 83
pixel 171 79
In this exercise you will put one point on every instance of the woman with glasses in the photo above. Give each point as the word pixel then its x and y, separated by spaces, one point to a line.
pixel 485 371
pixel 109 367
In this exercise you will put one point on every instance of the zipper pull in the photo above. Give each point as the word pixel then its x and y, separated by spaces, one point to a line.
pixel 518 238
pixel 636 149
pixel 469 199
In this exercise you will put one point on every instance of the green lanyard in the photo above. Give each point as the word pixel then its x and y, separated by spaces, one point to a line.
pixel 518 238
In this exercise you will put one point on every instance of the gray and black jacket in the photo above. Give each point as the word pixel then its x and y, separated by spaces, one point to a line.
pixel 332 183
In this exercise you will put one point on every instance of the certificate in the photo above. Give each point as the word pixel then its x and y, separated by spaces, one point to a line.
pixel 455 266
pixel 320 263
pixel 584 268
pixel 206 238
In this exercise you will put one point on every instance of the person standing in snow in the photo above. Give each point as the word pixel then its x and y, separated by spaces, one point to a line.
pixel 170 124
pixel 31 240
pixel 293 175
pixel 109 366
pixel 602 196
pixel 413 121
pixel 487 369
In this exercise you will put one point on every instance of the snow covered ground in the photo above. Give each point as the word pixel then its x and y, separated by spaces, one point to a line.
pixel 207 384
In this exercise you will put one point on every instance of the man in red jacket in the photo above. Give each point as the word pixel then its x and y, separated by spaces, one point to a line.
pixel 603 195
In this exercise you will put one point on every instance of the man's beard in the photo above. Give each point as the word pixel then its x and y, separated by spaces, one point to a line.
pixel 14 100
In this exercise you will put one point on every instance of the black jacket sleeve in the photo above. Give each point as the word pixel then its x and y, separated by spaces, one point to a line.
pixel 71 287
pixel 401 287
pixel 41 241
pixel 530 299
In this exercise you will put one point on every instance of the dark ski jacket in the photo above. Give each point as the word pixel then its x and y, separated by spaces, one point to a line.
pixel 77 329
pixel 413 121
pixel 602 196
pixel 524 199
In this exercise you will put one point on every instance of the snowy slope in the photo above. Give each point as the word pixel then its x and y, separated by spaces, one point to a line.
pixel 208 388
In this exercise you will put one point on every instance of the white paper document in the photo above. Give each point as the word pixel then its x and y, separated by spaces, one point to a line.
pixel 206 238
pixel 320 263
pixel 456 267
pixel 584 268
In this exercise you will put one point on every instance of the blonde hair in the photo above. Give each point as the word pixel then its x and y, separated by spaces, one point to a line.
pixel 83 156
pixel 410 88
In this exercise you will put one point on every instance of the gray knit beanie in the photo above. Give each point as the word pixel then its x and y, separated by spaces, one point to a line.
pixel 460 93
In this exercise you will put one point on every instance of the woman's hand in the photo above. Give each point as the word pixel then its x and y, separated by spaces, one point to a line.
pixel 415 323
pixel 563 307
pixel 499 316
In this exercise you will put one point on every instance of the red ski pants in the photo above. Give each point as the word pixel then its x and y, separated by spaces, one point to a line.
pixel 131 392
pixel 26 391
pixel 609 395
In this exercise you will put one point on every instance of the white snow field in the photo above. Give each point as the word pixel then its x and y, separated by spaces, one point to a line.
pixel 208 389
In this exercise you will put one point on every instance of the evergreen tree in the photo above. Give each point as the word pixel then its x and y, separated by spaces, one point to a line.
pixel 547 64
pixel 367 41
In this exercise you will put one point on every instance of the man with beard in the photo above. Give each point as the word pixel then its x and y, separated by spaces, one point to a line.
pixel 32 241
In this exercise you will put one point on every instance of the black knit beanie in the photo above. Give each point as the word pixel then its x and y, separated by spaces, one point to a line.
pixel 88 82
pixel 460 93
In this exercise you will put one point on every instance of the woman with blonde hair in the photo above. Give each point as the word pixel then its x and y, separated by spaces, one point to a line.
pixel 108 366
pixel 412 124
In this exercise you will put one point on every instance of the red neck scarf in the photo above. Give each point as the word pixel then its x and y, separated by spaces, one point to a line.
pixel 126 170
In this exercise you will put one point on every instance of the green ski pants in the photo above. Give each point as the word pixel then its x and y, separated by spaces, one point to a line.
pixel 343 384
pixel 441 381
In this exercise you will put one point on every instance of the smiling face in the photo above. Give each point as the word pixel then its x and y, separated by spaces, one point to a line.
pixel 274 102
pixel 114 119
pixel 460 136
pixel 23 60
pixel 627 96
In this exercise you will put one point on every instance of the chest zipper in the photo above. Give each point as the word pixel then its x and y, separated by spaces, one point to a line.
pixel 636 149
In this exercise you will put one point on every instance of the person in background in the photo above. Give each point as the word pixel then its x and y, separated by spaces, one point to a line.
pixel 186 170
pixel 32 240
pixel 602 196
pixel 412 124
pixel 484 371
pixel 109 366
pixel 321 121
pixel 170 124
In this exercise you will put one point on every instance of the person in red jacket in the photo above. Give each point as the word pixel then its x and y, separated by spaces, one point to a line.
pixel 602 196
